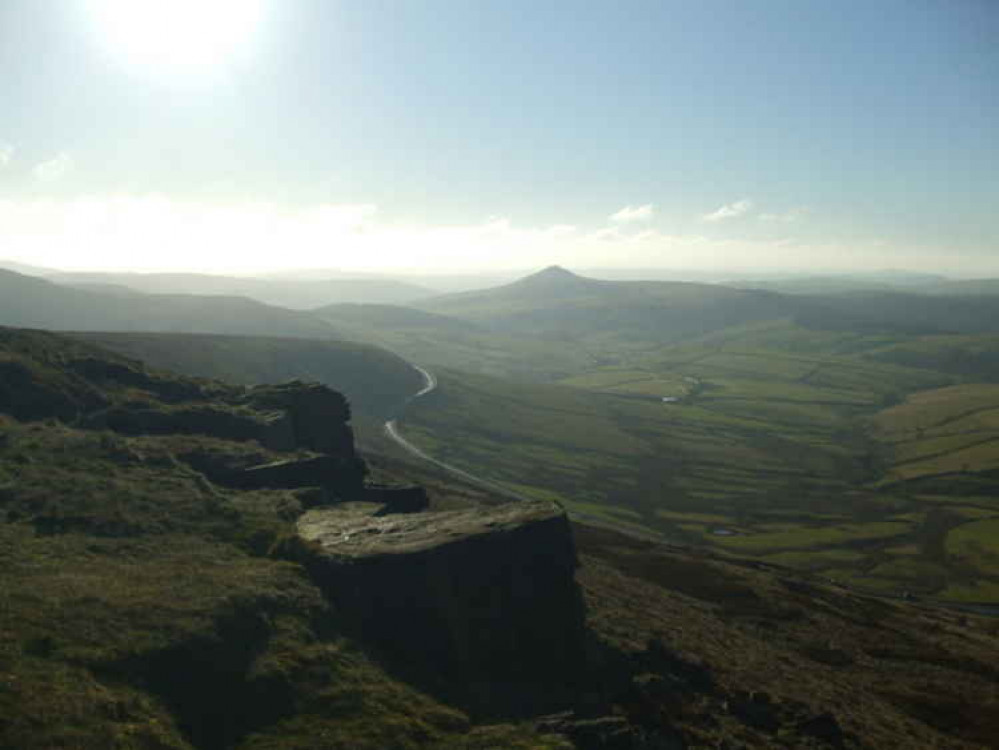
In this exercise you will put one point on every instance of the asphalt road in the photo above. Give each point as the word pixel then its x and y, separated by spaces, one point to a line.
pixel 430 385
pixel 392 431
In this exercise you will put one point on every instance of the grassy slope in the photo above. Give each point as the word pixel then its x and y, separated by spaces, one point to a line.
pixel 375 381
pixel 894 674
pixel 31 302
pixel 769 440
pixel 145 608
pixel 558 303
pixel 444 341
pixel 292 293
pixel 942 450
pixel 152 618
pixel 167 637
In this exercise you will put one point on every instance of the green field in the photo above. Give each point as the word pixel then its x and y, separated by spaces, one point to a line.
pixel 791 445
pixel 941 432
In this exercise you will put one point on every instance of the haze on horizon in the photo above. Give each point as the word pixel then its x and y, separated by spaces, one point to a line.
pixel 247 136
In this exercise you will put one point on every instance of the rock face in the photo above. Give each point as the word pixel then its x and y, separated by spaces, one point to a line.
pixel 306 418
pixel 312 417
pixel 317 417
pixel 408 499
pixel 197 419
pixel 484 598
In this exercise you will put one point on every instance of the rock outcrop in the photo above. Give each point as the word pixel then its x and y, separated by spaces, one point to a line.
pixel 484 598
pixel 317 417
pixel 195 419
pixel 133 375
pixel 309 419
pixel 343 477
pixel 408 499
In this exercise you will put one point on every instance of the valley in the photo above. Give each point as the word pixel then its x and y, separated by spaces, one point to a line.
pixel 729 480
pixel 499 375
pixel 833 434
pixel 768 439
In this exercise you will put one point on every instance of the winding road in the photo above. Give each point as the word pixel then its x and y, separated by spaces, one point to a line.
pixel 392 432
pixel 429 386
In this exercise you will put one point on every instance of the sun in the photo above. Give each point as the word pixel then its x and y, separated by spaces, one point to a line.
pixel 179 39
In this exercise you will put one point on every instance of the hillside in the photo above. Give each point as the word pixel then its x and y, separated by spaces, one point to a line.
pixel 296 294
pixel 35 303
pixel 158 594
pixel 556 325
pixel 757 439
pixel 25 268
pixel 395 317
pixel 445 341
pixel 972 287
pixel 375 381
pixel 878 281
pixel 899 312
pixel 557 301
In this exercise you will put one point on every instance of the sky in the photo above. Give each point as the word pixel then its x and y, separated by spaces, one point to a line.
pixel 376 135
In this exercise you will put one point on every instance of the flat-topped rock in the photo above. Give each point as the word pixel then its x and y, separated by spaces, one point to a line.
pixel 350 532
pixel 485 598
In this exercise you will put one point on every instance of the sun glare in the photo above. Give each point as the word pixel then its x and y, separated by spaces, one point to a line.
pixel 177 38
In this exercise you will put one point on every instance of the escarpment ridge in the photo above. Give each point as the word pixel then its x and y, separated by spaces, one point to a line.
pixel 179 496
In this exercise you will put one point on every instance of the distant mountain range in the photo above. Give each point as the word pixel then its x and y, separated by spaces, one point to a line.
pixel 887 281
pixel 558 301
pixel 296 294
pixel 31 302
pixel 553 302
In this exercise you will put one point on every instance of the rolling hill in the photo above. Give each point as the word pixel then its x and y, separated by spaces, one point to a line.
pixel 556 301
pixel 901 312
pixel 296 294
pixel 374 380
pixel 770 439
pixel 36 303
pixel 150 602
pixel 556 324
pixel 966 287
pixel 444 341
pixel 886 281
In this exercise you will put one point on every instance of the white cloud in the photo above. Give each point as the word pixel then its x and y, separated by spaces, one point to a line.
pixel 157 233
pixel 6 152
pixel 788 217
pixel 608 234
pixel 633 213
pixel 729 211
pixel 496 225
pixel 53 170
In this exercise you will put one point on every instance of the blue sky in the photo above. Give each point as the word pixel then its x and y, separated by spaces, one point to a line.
pixel 764 134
